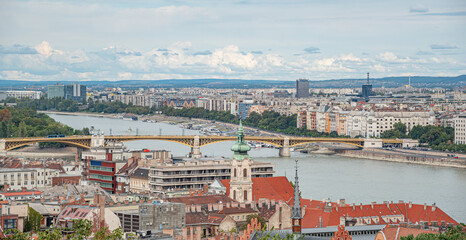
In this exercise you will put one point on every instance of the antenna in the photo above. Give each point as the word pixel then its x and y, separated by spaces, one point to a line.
pixel 367 78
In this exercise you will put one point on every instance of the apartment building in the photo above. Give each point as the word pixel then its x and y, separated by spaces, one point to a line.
pixel 362 123
pixel 196 174
pixel 460 129
pixel 378 122
pixel 134 99
pixel 30 178
pixel 23 94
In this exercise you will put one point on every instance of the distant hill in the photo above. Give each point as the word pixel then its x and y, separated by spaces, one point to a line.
pixel 389 82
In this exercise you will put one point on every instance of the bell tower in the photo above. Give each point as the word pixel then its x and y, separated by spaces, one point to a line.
pixel 241 180
pixel 296 214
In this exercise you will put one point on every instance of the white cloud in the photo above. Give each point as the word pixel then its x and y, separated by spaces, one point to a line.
pixel 44 48
pixel 181 60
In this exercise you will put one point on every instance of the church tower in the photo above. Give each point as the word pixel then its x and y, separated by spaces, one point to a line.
pixel 296 215
pixel 241 181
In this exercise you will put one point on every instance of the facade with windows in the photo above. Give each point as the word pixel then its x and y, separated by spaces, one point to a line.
pixel 29 178
pixel 102 172
pixel 302 88
pixel 460 129
pixel 196 174
pixel 75 91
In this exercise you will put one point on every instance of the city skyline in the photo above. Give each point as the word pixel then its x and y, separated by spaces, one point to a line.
pixel 270 40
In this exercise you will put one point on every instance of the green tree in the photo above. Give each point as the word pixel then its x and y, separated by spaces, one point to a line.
pixel 81 229
pixel 400 127
pixel 50 234
pixel 15 234
pixel 105 234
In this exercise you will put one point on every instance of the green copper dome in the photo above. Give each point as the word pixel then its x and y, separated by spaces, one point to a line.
pixel 240 148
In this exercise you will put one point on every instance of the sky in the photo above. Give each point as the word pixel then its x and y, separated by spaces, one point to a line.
pixel 230 39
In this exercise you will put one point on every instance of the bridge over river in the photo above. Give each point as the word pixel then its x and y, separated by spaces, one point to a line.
pixel 196 142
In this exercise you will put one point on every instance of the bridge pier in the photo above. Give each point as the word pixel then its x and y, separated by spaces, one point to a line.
pixel 372 143
pixel 196 149
pixel 97 141
pixel 285 150
pixel 2 147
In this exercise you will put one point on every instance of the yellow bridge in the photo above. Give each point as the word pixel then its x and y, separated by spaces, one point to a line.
pixel 195 142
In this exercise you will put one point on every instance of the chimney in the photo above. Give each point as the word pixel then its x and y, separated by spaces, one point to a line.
pixel 372 204
pixel 434 207
pixel 101 205
pixel 188 209
pixel 360 205
pixel 206 189
pixel 209 207
pixel 354 207
pixel 425 206
pixel 410 205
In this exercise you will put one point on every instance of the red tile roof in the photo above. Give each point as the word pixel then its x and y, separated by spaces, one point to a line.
pixel 314 210
pixel 25 193
pixel 75 212
pixel 236 210
pixel 204 199
pixel 273 188
pixel 391 232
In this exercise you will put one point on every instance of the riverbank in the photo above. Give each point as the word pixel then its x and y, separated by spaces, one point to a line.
pixel 166 119
pixel 415 157
pixel 34 152
pixel 403 158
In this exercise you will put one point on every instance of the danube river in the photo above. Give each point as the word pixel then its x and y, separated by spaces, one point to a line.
pixel 334 177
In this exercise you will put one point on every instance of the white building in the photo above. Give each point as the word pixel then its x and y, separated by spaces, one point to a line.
pixel 460 129
pixel 29 178
pixel 378 122
pixel 24 94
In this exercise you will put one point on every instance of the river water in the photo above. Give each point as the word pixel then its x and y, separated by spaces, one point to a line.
pixel 321 176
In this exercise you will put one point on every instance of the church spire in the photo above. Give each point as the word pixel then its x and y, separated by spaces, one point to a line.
pixel 240 148
pixel 296 215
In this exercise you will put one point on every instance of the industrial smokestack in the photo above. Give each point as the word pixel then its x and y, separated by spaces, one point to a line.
pixel 367 78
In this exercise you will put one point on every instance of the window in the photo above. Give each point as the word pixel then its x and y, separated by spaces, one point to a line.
pixel 245 195
pixel 245 172
pixel 234 194
pixel 10 223
pixel 234 173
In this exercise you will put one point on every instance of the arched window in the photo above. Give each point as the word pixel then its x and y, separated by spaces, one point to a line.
pixel 245 172
pixel 245 194
pixel 234 194
pixel 234 173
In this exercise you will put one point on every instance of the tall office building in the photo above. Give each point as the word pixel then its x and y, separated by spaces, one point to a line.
pixel 366 89
pixel 74 91
pixel 302 88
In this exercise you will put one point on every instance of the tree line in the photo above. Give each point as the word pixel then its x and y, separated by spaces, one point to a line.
pixel 268 120
pixel 26 122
